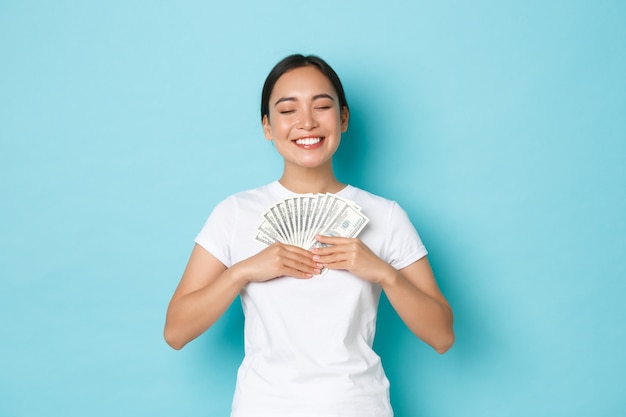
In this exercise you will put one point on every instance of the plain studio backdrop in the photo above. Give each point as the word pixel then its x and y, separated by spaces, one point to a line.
pixel 499 126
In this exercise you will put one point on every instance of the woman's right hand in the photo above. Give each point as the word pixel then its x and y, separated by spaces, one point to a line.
pixel 278 260
pixel 208 287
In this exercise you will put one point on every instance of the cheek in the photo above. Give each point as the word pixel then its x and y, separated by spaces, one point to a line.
pixel 282 126
pixel 333 118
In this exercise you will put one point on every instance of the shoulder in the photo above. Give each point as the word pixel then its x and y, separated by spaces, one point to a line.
pixel 370 200
pixel 247 203
pixel 258 194
pixel 383 210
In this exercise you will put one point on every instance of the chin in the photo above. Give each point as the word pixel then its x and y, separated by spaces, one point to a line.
pixel 311 164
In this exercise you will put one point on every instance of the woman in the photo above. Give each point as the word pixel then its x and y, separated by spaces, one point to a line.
pixel 308 334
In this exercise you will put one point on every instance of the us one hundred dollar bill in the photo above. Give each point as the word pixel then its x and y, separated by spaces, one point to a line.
pixel 297 220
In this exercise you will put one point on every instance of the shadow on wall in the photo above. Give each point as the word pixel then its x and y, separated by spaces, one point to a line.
pixel 354 154
pixel 414 368
pixel 357 161
pixel 410 364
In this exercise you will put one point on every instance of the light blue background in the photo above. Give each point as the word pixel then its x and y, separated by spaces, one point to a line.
pixel 499 126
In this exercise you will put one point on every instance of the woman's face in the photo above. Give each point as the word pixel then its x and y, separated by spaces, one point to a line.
pixel 305 119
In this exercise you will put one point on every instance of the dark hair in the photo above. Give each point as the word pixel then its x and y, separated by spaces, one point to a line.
pixel 297 61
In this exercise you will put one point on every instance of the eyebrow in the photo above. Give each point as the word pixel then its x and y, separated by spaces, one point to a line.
pixel 315 97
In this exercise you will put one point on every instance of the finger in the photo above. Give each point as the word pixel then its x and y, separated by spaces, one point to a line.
pixel 304 256
pixel 298 274
pixel 331 258
pixel 337 265
pixel 333 240
pixel 297 270
pixel 299 259
pixel 295 265
pixel 329 250
pixel 296 249
pixel 294 253
pixel 295 261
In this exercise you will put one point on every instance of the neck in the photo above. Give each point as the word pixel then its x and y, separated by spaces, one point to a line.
pixel 310 180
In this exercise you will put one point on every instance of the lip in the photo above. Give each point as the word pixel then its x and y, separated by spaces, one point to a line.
pixel 309 142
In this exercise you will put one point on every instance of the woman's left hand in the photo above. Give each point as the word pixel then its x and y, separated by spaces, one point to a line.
pixel 352 255
pixel 412 291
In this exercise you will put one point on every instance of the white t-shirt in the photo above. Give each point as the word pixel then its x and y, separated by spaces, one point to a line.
pixel 308 343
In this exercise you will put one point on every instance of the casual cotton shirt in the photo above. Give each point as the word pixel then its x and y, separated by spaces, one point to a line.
pixel 308 342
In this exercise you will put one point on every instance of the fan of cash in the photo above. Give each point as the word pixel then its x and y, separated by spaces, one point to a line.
pixel 297 220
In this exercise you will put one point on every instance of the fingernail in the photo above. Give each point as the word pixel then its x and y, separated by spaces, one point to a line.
pixel 316 258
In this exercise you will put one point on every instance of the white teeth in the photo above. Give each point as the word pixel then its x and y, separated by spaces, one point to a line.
pixel 308 141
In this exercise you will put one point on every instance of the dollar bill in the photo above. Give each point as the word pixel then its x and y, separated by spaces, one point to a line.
pixel 349 222
pixel 298 220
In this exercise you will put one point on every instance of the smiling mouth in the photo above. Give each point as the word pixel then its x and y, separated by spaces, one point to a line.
pixel 308 141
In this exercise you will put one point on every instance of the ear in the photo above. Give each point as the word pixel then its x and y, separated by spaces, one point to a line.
pixel 345 117
pixel 267 129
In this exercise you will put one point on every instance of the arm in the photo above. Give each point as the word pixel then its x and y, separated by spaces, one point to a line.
pixel 208 287
pixel 414 294
pixel 204 293
pixel 412 291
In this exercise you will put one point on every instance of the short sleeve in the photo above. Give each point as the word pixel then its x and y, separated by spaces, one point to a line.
pixel 216 234
pixel 403 245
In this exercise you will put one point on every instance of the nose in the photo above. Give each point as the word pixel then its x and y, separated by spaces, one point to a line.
pixel 308 120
